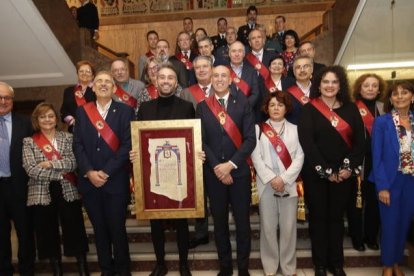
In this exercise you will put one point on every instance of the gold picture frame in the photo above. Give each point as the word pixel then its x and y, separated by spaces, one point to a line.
pixel 168 175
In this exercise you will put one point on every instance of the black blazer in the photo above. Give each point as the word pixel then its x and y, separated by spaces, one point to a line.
pixel 69 105
pixel 217 144
pixel 218 41
pixel 181 71
pixel 21 128
pixel 243 35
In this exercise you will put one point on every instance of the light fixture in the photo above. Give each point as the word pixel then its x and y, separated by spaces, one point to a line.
pixel 382 65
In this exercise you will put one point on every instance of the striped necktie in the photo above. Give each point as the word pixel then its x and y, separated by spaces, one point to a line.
pixel 4 148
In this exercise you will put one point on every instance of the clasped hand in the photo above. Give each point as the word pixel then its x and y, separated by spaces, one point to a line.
pixel 340 176
pixel 97 178
pixel 222 172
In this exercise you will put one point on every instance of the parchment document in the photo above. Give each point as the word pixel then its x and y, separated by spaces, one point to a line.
pixel 168 167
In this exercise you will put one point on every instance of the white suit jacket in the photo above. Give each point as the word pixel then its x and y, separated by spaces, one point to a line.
pixel 263 164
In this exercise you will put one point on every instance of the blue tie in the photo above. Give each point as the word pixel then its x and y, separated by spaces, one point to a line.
pixel 4 148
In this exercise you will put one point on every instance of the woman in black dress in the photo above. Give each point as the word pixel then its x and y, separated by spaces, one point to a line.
pixel 331 133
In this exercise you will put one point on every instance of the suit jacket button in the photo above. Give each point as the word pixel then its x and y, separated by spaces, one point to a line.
pixel 98 149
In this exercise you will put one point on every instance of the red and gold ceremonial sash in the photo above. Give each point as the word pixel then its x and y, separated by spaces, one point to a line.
pixel 188 64
pixel 101 126
pixel 340 125
pixel 152 91
pixel 270 85
pixel 125 97
pixel 197 92
pixel 240 83
pixel 366 115
pixel 149 54
pixel 258 66
pixel 225 120
pixel 79 98
pixel 51 153
pixel 296 92
pixel 278 144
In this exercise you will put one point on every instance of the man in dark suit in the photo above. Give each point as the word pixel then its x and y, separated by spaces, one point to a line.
pixel 244 72
pixel 101 145
pixel 259 59
pixel 186 55
pixel 280 22
pixel 307 48
pixel 13 187
pixel 222 54
pixel 167 107
pixel 243 32
pixel 220 39
pixel 227 173
pixel 88 20
pixel 163 53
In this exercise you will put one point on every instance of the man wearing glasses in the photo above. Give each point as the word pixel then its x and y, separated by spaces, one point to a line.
pixel 13 187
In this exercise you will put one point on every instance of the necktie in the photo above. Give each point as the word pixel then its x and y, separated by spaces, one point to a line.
pixel 205 90
pixel 221 101
pixel 4 148
pixel 186 54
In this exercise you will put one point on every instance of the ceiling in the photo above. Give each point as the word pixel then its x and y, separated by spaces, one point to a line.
pixel 30 54
pixel 380 34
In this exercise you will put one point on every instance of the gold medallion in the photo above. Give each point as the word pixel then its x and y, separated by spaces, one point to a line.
pixel 236 80
pixel 78 94
pixel 222 117
pixel 334 121
pixel 99 124
pixel 125 97
pixel 270 133
pixel 258 66
pixel 363 112
pixel 47 148
pixel 304 99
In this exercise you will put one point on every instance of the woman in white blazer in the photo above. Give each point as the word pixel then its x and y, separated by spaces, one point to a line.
pixel 278 160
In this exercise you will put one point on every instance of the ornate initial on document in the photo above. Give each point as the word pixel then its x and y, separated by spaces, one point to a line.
pixel 168 167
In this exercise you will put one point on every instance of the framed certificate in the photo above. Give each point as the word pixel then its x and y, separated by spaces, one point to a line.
pixel 168 175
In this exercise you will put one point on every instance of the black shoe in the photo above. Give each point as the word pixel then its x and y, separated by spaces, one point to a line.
pixel 185 270
pixel 373 245
pixel 159 270
pixel 225 271
pixel 320 271
pixel 357 245
pixel 244 272
pixel 196 242
pixel 56 265
pixel 82 265
pixel 337 271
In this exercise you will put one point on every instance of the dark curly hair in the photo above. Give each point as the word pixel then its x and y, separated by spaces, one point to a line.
pixel 343 94
pixel 294 35
pixel 404 85
pixel 356 92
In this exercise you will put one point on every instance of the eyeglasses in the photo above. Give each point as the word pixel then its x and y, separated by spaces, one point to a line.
pixel 303 67
pixel 119 70
pixel 86 72
pixel 6 98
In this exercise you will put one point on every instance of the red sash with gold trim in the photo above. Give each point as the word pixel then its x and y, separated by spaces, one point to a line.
pixel 149 54
pixel 51 153
pixel 270 85
pixel 366 115
pixel 101 126
pixel 240 83
pixel 197 92
pixel 225 120
pixel 79 98
pixel 258 66
pixel 340 125
pixel 296 92
pixel 125 97
pixel 277 144
pixel 188 64
pixel 152 91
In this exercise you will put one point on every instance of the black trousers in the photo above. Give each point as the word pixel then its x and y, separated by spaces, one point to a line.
pixel 13 208
pixel 327 202
pixel 107 213
pixel 46 221
pixel 158 239
pixel 238 195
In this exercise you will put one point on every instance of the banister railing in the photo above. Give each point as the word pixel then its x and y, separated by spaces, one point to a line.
pixel 113 54
pixel 312 34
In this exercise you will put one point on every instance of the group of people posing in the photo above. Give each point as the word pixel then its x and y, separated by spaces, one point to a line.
pixel 290 119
